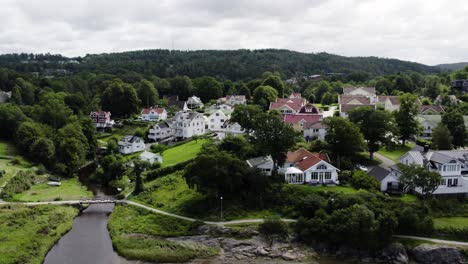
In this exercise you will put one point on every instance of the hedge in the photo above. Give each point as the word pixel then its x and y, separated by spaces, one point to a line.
pixel 153 174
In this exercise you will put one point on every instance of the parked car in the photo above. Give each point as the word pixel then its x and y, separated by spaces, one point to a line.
pixel 362 167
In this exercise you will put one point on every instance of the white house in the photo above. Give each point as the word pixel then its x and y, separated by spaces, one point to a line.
pixel 304 167
pixel 264 164
pixel 232 128
pixel 161 131
pixel 216 120
pixel 194 102
pixel 188 124
pixel 153 114
pixel 368 92
pixel 233 100
pixel 227 109
pixel 151 157
pixel 389 103
pixel 131 144
pixel 452 165
pixel 102 119
pixel 314 130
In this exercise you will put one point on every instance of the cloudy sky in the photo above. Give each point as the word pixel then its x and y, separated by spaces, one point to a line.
pixel 426 31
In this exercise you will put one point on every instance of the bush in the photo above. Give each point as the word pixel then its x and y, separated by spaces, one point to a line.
pixel 158 148
pixel 345 176
pixel 273 228
pixel 21 182
pixel 41 170
pixel 361 180
pixel 153 174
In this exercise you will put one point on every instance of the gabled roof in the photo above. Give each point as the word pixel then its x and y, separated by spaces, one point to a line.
pixel 395 100
pixel 296 118
pixel 164 125
pixel 354 99
pixel 369 90
pixel 313 125
pixel 379 173
pixel 303 159
pixel 295 95
pixel 309 109
pixel 255 162
pixel 293 103
pixel 146 111
pixel 418 158
pixel 235 97
pixel 431 108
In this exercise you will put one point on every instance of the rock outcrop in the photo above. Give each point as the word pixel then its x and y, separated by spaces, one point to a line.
pixel 395 254
pixel 437 254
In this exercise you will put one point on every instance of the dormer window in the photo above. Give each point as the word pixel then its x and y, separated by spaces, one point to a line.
pixel 321 167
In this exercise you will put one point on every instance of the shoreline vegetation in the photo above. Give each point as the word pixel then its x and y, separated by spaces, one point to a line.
pixel 28 233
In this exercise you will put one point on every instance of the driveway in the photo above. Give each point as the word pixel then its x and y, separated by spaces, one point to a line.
pixel 386 162
pixel 330 112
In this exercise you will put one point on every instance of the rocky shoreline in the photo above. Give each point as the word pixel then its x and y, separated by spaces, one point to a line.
pixel 248 246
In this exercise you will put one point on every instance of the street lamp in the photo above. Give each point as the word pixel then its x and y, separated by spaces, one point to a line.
pixel 221 201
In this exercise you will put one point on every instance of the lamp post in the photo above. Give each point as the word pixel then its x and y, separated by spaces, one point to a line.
pixel 221 201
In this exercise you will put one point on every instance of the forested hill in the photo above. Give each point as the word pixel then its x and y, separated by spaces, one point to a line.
pixel 224 64
pixel 452 66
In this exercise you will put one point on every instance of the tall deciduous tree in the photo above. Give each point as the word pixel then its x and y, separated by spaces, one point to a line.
pixel 120 98
pixel 406 117
pixel 264 95
pixel 147 94
pixel 417 177
pixel 207 88
pixel 71 147
pixel 181 86
pixel 276 83
pixel 43 151
pixel 441 138
pixel 375 125
pixel 247 116
pixel 274 137
pixel 139 167
pixel 343 137
pixel 11 117
pixel 454 121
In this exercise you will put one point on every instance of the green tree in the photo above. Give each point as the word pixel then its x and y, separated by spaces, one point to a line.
pixel 361 180
pixel 43 151
pixel 244 90
pixel 375 126
pixel 147 94
pixel 384 86
pixel 247 116
pixel 406 117
pixel 181 86
pixel 236 145
pixel 120 98
pixel 432 86
pixel 416 177
pixel 52 110
pixel 276 83
pixel 264 95
pixel 112 169
pixel 11 117
pixel 207 88
pixel 71 147
pixel 24 92
pixel 139 167
pixel 273 228
pixel 76 103
pixel 328 98
pixel 343 137
pixel 26 134
pixel 441 138
pixel 274 137
pixel 403 83
pixel 89 131
pixel 320 89
pixel 455 123
pixel 162 85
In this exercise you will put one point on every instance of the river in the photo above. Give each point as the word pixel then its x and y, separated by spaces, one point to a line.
pixel 89 242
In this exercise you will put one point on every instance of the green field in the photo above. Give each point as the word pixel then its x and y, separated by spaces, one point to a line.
pixel 8 153
pixel 335 189
pixel 27 233
pixel 183 152
pixel 139 234
pixel 71 189
pixel 409 198
pixel 397 152
pixel 447 222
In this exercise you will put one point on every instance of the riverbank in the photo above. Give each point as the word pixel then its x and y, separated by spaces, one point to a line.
pixel 28 233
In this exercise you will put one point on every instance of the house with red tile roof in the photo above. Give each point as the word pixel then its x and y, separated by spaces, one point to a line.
pixel 288 105
pixel 304 167
pixel 153 114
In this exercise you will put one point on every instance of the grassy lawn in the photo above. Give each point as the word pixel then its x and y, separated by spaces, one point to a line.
pixel 397 152
pixel 8 153
pixel 335 189
pixel 168 193
pixel 27 233
pixel 139 234
pixel 446 222
pixel 183 152
pixel 71 189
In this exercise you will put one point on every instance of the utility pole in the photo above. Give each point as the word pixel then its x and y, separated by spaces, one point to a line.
pixel 221 200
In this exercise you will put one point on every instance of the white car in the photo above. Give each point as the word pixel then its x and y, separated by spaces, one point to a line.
pixel 362 167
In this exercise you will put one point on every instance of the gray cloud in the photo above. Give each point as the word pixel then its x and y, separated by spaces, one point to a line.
pixel 430 31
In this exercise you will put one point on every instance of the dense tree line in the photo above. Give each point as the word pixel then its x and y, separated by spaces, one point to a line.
pixel 222 64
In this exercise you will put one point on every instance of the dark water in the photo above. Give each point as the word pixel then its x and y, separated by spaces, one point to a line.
pixel 88 242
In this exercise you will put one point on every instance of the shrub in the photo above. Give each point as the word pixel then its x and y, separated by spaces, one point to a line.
pixel 273 228
pixel 41 170
pixel 345 176
pixel 158 148
pixel 21 182
pixel 361 180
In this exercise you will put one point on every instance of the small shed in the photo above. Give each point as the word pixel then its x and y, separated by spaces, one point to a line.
pixel 151 157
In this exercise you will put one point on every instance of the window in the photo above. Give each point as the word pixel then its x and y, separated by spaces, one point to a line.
pixel 327 175
pixel 321 167
pixel 314 176
pixel 442 182
pixel 217 114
